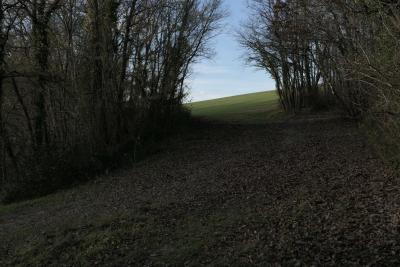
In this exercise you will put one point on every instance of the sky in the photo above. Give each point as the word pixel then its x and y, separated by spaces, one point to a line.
pixel 227 74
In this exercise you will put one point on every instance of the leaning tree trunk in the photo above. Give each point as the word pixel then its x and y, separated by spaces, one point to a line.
pixel 2 141
pixel 40 20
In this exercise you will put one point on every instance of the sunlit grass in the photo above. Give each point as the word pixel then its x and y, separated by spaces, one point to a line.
pixel 252 108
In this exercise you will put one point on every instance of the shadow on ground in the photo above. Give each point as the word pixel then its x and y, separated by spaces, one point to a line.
pixel 305 191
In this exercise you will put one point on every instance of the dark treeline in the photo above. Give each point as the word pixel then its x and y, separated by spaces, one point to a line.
pixel 348 49
pixel 82 81
pixel 319 50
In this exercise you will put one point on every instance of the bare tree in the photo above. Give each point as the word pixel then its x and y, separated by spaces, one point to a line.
pixel 280 40
pixel 90 79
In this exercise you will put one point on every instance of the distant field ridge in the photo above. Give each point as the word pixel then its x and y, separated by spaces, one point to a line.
pixel 253 108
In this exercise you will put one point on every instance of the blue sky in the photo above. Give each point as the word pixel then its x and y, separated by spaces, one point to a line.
pixel 226 73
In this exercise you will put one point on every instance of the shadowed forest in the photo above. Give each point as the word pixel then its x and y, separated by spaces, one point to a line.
pixel 86 82
pixel 102 161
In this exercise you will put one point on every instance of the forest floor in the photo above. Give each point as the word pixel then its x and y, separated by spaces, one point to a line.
pixel 304 191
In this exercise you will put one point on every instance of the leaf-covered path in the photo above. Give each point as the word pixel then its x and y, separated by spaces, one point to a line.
pixel 300 192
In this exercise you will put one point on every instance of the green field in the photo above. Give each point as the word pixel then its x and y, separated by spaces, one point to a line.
pixel 249 108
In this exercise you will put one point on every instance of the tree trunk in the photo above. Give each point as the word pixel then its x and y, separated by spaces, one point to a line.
pixel 40 21
pixel 2 143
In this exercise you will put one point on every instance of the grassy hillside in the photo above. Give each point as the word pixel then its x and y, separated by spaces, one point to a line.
pixel 248 108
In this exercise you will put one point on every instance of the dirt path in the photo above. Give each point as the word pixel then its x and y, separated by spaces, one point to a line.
pixel 295 193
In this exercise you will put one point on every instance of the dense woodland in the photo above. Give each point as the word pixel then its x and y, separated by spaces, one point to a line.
pixel 85 82
pixel 344 52
pixel 88 85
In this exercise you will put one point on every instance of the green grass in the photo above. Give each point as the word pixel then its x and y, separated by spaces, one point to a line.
pixel 252 108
